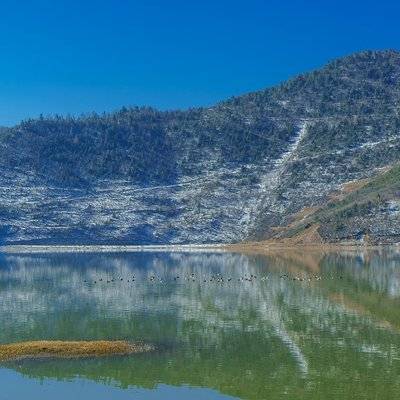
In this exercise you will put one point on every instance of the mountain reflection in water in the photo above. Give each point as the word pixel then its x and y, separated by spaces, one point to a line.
pixel 279 325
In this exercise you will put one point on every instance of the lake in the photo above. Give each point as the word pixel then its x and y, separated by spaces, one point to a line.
pixel 284 325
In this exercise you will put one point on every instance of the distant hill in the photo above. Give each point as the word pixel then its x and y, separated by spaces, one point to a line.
pixel 235 171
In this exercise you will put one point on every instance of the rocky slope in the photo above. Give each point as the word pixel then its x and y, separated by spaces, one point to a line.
pixel 366 212
pixel 227 173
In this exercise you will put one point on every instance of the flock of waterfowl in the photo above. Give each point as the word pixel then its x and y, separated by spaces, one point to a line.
pixel 217 278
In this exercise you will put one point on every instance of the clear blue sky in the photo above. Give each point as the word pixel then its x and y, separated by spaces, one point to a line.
pixel 68 56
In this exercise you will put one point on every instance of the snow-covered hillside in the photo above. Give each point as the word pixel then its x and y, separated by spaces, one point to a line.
pixel 222 174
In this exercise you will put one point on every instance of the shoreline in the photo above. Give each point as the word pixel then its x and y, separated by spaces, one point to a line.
pixel 255 247
pixel 260 247
pixel 22 248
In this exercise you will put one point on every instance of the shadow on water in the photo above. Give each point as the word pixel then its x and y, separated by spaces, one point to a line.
pixel 279 325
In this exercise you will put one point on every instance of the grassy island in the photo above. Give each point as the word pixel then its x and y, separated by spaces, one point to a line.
pixel 70 349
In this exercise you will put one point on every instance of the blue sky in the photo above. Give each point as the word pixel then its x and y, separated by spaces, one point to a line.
pixel 81 56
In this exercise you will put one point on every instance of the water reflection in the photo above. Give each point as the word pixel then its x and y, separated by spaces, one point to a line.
pixel 315 325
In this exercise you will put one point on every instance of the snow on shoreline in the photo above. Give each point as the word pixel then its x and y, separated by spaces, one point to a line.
pixel 110 248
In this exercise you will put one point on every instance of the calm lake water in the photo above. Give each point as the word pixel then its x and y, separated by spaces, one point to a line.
pixel 226 326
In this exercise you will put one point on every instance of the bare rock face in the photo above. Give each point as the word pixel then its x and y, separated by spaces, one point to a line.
pixel 227 173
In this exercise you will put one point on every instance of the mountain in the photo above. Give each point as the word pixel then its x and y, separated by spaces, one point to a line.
pixel 236 171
